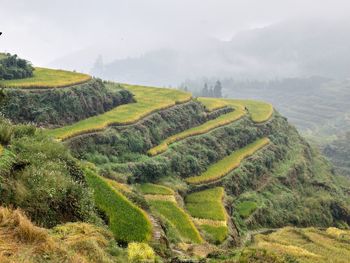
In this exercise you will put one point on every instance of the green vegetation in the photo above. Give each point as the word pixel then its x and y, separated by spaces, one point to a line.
pixel 204 128
pixel 338 151
pixel 148 100
pixel 126 221
pixel 155 189
pixel 215 234
pixel 246 208
pixel 207 204
pixel 57 107
pixel 226 165
pixel 44 78
pixel 42 178
pixel 178 218
pixel 12 67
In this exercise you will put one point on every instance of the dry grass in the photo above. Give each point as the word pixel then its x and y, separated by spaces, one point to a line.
pixel 44 78
pixel 21 241
pixel 308 244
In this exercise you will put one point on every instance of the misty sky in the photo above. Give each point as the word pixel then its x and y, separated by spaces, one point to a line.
pixel 42 30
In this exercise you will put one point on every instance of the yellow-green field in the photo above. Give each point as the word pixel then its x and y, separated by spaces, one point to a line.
pixel 179 219
pixel 148 100
pixel 308 244
pixel 162 200
pixel 201 129
pixel 126 221
pixel 227 164
pixel 258 111
pixel 44 78
pixel 208 205
pixel 155 189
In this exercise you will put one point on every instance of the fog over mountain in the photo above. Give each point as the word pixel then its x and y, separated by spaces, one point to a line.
pixel 287 49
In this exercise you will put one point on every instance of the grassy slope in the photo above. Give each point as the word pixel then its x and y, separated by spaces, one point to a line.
pixel 47 78
pixel 206 204
pixel 154 189
pixel 178 218
pixel 126 221
pixel 148 100
pixel 246 208
pixel 226 165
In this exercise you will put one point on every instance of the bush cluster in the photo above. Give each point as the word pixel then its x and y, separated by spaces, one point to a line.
pixel 12 67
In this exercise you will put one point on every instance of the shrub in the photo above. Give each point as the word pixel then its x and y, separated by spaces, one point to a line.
pixel 140 253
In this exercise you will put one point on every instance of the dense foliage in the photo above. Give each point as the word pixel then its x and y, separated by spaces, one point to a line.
pixel 338 152
pixel 57 107
pixel 42 178
pixel 13 67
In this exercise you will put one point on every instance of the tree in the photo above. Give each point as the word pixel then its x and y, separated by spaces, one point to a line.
pixel 205 91
pixel 98 67
pixel 217 92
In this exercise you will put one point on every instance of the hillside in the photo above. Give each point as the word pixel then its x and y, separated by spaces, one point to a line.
pixel 165 176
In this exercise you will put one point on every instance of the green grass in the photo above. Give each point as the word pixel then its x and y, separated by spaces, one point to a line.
pixel 44 78
pixel 155 189
pixel 227 164
pixel 259 111
pixel 126 221
pixel 246 208
pixel 217 234
pixel 206 204
pixel 201 129
pixel 179 219
pixel 148 100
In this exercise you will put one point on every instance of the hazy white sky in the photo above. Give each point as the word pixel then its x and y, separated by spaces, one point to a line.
pixel 42 30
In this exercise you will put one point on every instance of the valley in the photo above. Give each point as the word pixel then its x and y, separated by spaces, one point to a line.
pixel 128 168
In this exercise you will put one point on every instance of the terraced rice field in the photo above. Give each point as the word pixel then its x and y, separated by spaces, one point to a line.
pixel 209 214
pixel 155 189
pixel 201 129
pixel 44 78
pixel 126 221
pixel 258 111
pixel 179 219
pixel 148 100
pixel 307 245
pixel 246 208
pixel 162 200
pixel 227 164
pixel 207 204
